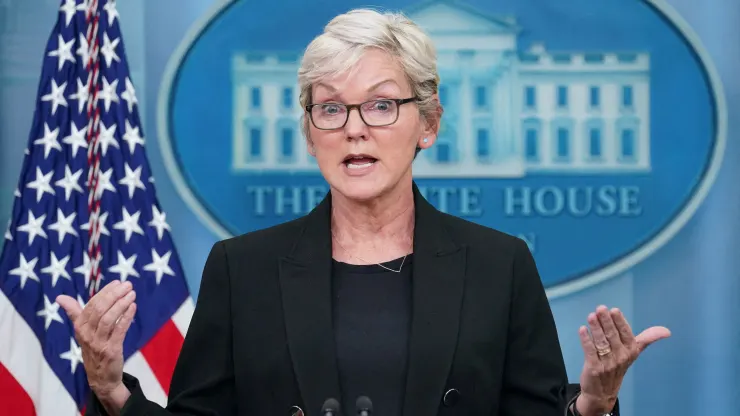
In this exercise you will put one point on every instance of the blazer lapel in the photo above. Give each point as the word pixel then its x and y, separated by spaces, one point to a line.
pixel 438 283
pixel 305 281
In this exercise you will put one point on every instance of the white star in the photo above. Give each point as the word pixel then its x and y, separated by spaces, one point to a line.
pixel 63 52
pixel 107 137
pixel 84 6
pixel 104 183
pixel 34 227
pixel 63 226
pixel 82 95
pixel 49 140
pixel 132 137
pixel 70 182
pixel 8 236
pixel 74 355
pixel 76 138
pixel 49 313
pixel 81 301
pixel 129 95
pixel 69 8
pixel 41 184
pixel 132 180
pixel 25 270
pixel 101 224
pixel 159 221
pixel 17 193
pixel 57 269
pixel 160 265
pixel 125 266
pixel 84 51
pixel 110 7
pixel 108 92
pixel 85 269
pixel 109 49
pixel 129 224
pixel 56 96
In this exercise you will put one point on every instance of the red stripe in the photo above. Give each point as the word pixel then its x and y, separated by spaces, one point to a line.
pixel 15 401
pixel 161 353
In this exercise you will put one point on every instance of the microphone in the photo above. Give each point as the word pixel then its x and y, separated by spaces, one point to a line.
pixel 330 407
pixel 364 406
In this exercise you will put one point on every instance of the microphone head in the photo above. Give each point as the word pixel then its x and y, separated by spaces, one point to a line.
pixel 331 406
pixel 363 404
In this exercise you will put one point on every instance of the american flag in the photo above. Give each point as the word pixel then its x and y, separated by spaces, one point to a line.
pixel 85 213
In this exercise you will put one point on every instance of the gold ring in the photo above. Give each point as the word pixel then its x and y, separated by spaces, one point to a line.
pixel 603 352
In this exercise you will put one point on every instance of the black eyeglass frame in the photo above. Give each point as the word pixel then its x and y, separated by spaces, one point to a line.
pixel 399 102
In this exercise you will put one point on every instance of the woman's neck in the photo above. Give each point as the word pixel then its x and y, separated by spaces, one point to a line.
pixel 374 232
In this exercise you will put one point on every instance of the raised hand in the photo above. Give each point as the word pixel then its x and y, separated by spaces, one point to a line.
pixel 100 329
pixel 610 350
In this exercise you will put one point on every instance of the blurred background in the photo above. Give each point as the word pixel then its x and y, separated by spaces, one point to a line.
pixel 606 133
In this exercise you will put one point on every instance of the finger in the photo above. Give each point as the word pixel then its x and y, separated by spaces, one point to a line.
pixel 623 327
pixel 70 306
pixel 104 300
pixel 610 329
pixel 120 329
pixel 107 321
pixel 589 349
pixel 597 333
pixel 650 335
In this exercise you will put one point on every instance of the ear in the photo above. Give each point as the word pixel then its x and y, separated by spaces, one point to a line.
pixel 307 134
pixel 311 148
pixel 426 141
pixel 431 127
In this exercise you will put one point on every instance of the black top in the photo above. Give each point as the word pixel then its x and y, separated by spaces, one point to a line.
pixel 372 311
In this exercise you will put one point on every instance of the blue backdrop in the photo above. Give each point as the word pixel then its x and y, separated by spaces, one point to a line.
pixel 659 257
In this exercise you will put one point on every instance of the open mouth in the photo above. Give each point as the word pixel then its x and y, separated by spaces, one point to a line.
pixel 359 161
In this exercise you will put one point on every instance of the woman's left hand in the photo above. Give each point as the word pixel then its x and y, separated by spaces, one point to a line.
pixel 610 350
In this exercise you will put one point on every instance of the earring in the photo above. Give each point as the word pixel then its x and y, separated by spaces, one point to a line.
pixel 425 140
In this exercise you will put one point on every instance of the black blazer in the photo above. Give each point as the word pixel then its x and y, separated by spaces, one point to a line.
pixel 260 343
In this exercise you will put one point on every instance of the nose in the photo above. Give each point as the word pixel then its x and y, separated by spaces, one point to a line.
pixel 355 128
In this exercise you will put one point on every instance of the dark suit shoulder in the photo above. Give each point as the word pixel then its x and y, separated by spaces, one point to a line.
pixel 477 236
pixel 266 241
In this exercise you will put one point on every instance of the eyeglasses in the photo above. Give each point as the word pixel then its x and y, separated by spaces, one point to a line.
pixel 374 113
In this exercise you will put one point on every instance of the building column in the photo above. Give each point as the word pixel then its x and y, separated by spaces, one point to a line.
pixel 546 139
pixel 465 140
pixel 239 138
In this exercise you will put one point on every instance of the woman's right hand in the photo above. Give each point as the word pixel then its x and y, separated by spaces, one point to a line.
pixel 100 329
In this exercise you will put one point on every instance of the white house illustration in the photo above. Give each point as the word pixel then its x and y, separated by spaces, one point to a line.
pixel 508 112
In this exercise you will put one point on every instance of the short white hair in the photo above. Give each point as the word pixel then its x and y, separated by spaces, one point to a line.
pixel 347 36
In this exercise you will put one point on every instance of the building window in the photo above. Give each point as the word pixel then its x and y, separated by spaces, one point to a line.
pixel 530 97
pixel 484 145
pixel 627 144
pixel 287 97
pixel 255 142
pixel 594 97
pixel 481 97
pixel 627 97
pixel 256 97
pixel 562 96
pixel 594 143
pixel 531 144
pixel 286 143
pixel 443 152
pixel 563 143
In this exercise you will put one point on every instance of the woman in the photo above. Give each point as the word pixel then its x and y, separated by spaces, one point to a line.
pixel 374 293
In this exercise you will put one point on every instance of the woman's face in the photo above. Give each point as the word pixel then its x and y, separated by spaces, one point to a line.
pixel 360 161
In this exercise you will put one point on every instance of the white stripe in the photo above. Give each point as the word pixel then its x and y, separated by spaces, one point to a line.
pixel 137 366
pixel 182 317
pixel 25 360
